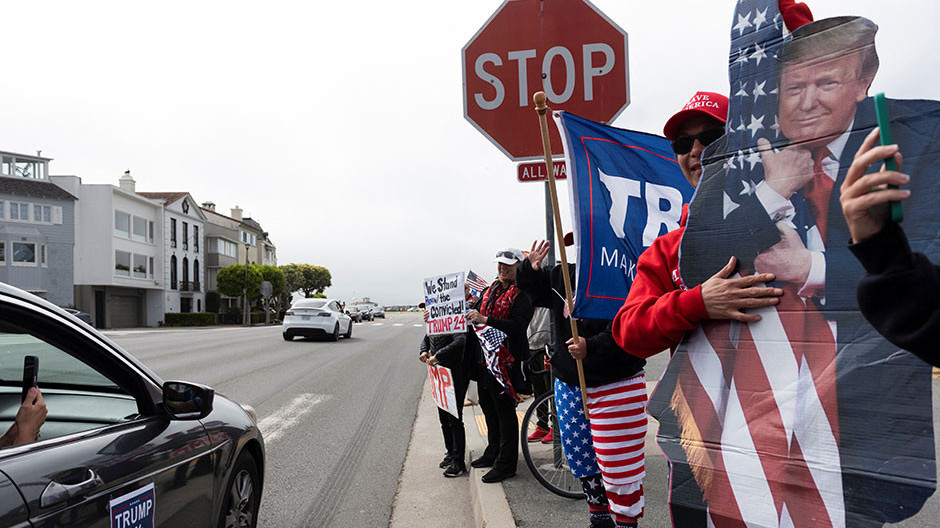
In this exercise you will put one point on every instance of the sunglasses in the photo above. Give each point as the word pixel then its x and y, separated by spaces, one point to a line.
pixel 683 144
pixel 507 254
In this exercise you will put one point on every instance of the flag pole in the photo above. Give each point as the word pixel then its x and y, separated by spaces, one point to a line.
pixel 541 108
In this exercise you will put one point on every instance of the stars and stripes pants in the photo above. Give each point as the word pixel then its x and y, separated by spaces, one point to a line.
pixel 618 429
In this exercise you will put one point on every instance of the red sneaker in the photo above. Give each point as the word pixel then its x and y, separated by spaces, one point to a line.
pixel 547 439
pixel 538 434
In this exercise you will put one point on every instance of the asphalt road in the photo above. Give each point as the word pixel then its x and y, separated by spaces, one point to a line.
pixel 336 417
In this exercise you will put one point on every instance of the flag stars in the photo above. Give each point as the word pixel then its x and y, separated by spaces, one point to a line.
pixel 753 158
pixel 749 188
pixel 760 17
pixel 759 90
pixel 758 54
pixel 743 23
pixel 756 125
pixel 775 127
pixel 742 92
pixel 742 57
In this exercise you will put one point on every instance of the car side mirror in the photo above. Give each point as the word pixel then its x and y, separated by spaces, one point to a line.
pixel 187 401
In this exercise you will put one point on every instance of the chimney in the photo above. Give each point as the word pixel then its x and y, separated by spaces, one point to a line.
pixel 209 206
pixel 237 213
pixel 127 183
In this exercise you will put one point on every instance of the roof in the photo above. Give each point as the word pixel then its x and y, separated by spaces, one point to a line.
pixel 33 188
pixel 252 223
pixel 167 197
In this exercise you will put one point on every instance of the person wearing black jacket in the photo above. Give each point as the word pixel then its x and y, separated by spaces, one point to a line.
pixel 900 291
pixel 449 351
pixel 505 308
pixel 607 369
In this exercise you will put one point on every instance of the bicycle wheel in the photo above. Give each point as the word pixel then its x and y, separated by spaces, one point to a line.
pixel 547 461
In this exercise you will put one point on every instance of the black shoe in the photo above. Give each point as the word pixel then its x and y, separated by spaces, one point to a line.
pixel 603 523
pixel 448 460
pixel 497 476
pixel 483 462
pixel 456 469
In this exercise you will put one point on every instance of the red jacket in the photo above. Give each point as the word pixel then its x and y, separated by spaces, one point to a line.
pixel 659 309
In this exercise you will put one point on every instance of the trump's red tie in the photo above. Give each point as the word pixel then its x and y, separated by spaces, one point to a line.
pixel 818 191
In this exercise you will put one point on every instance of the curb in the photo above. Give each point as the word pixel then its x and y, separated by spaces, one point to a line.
pixel 488 501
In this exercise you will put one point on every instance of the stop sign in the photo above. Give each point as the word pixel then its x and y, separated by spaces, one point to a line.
pixel 566 48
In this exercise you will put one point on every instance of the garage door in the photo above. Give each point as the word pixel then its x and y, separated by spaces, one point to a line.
pixel 124 311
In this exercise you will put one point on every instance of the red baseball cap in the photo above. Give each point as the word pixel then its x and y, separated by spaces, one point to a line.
pixel 710 104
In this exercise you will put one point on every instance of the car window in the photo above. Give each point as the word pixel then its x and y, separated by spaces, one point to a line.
pixel 77 396
pixel 310 303
pixel 333 306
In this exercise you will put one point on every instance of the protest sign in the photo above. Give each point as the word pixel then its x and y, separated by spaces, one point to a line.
pixel 445 302
pixel 807 417
pixel 442 388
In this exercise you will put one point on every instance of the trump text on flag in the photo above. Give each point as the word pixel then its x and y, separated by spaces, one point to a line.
pixel 446 304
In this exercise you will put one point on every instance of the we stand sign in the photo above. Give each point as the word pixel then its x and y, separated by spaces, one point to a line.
pixel 445 302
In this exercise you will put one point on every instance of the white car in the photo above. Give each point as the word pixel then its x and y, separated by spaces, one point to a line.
pixel 314 318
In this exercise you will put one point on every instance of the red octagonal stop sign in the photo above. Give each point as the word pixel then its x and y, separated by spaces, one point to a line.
pixel 566 48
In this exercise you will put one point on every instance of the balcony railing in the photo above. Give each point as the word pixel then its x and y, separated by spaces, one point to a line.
pixel 189 286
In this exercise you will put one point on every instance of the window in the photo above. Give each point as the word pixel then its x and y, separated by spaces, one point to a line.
pixel 19 211
pixel 249 238
pixel 122 263
pixel 173 272
pixel 3 207
pixel 3 252
pixel 196 238
pixel 24 254
pixel 140 266
pixel 185 235
pixel 150 269
pixel 196 274
pixel 122 225
pixel 150 232
pixel 185 268
pixel 172 232
pixel 42 255
pixel 140 229
pixel 42 213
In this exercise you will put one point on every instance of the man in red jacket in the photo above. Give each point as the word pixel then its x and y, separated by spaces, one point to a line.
pixel 659 308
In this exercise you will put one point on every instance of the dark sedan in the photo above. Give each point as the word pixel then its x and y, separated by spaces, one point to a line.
pixel 120 447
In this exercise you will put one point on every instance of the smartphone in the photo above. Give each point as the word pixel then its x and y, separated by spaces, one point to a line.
pixel 30 375
pixel 884 126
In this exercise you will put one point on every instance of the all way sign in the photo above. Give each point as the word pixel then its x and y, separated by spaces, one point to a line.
pixel 534 172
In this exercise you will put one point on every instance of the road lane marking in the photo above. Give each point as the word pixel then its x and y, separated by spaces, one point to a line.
pixel 377 324
pixel 417 325
pixel 398 324
pixel 273 426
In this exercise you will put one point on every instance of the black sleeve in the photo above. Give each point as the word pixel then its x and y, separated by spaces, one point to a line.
pixel 518 321
pixel 453 352
pixel 425 345
pixel 536 283
pixel 900 294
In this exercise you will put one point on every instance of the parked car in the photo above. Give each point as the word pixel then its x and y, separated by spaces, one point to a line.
pixel 366 312
pixel 354 314
pixel 378 311
pixel 315 318
pixel 117 437
pixel 80 314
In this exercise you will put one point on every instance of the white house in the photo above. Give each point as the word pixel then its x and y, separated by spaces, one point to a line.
pixel 184 225
pixel 119 270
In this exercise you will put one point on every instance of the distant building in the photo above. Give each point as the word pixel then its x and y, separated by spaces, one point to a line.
pixel 37 229
pixel 119 271
pixel 222 250
pixel 184 227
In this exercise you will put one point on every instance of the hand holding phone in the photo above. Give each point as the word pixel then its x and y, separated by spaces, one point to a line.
pixel 30 375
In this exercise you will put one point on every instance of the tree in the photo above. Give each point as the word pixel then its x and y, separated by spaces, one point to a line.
pixel 293 280
pixel 231 280
pixel 275 276
pixel 316 279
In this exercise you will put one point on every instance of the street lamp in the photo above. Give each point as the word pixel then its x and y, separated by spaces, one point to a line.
pixel 246 316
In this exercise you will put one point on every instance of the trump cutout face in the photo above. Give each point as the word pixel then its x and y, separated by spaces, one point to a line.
pixel 818 99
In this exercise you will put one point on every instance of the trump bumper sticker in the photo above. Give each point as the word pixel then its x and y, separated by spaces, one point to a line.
pixel 134 510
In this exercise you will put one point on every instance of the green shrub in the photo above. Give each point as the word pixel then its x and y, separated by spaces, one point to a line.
pixel 257 318
pixel 189 319
pixel 233 315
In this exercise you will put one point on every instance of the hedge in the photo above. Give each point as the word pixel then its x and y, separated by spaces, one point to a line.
pixel 189 319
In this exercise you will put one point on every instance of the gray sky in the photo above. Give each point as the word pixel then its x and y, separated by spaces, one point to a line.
pixel 339 125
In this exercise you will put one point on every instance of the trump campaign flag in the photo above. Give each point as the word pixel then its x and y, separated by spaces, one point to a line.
pixel 626 190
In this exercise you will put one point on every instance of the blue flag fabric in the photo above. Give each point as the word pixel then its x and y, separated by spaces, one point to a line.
pixel 626 190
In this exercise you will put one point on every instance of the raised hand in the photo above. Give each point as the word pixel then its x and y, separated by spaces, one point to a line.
pixel 865 197
pixel 538 253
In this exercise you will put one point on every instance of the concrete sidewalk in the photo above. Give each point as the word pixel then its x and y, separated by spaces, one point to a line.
pixel 426 498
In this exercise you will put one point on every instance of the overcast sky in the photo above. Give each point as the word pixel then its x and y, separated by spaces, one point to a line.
pixel 339 125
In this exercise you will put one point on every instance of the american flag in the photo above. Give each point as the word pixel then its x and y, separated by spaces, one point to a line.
pixel 476 283
pixel 491 340
pixel 756 403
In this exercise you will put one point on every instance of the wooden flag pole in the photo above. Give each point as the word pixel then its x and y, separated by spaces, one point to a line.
pixel 541 108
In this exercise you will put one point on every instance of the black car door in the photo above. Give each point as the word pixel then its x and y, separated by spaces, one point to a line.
pixel 13 512
pixel 106 456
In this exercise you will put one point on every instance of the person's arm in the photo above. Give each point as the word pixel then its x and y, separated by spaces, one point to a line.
pixel 656 314
pixel 900 294
pixel 424 350
pixel 518 318
pixel 535 282
pixel 452 353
